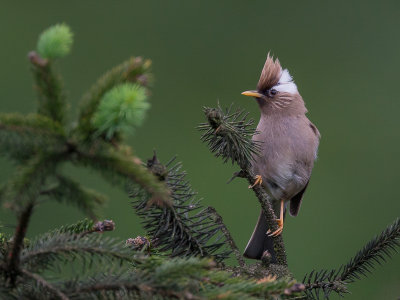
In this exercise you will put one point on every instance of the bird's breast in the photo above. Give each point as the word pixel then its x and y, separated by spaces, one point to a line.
pixel 287 155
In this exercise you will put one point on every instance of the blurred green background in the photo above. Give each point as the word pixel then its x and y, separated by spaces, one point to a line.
pixel 344 58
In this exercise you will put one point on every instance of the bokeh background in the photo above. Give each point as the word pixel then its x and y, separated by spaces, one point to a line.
pixel 344 57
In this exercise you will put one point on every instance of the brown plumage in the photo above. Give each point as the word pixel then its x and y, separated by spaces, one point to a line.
pixel 289 143
pixel 270 74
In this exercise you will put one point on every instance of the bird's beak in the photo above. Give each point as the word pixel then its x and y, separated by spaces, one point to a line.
pixel 252 94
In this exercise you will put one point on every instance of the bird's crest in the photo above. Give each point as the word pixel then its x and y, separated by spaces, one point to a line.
pixel 270 74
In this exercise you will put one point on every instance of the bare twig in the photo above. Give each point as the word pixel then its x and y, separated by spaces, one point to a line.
pixel 18 241
pixel 269 213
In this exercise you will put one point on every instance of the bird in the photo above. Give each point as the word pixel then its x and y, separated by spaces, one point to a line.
pixel 288 148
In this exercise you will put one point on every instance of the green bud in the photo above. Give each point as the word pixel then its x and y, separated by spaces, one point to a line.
pixel 121 110
pixel 55 42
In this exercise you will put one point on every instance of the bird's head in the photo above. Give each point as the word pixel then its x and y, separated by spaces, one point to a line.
pixel 276 90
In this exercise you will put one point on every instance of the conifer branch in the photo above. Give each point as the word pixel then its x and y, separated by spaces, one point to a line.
pixel 49 248
pixel 109 287
pixel 49 87
pixel 84 227
pixel 129 285
pixel 228 237
pixel 375 251
pixel 324 282
pixel 133 70
pixel 47 286
pixel 153 277
pixel 70 191
pixel 112 163
pixel 221 285
pixel 22 136
pixel 228 134
pixel 183 228
pixel 25 187
pixel 24 190
pixel 265 202
pixel 179 278
pixel 13 262
pixel 81 227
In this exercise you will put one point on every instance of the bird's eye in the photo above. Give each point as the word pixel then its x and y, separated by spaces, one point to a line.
pixel 273 91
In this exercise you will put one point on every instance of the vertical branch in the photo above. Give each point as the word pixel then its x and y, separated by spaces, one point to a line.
pixel 225 231
pixel 18 241
pixel 118 163
pixel 228 135
pixel 269 213
pixel 49 86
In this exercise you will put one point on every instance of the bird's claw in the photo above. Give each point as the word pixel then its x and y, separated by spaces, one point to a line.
pixel 278 231
pixel 257 181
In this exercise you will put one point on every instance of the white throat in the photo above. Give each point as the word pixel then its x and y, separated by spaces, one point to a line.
pixel 286 84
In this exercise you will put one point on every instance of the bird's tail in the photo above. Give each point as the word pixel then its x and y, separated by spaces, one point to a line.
pixel 260 241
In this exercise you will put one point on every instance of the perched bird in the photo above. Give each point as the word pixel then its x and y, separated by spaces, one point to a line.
pixel 289 144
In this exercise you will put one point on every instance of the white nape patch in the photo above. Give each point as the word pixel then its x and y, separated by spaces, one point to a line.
pixel 286 84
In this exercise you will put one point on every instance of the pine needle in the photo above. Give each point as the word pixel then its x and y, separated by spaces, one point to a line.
pixel 228 135
pixel 374 252
pixel 185 228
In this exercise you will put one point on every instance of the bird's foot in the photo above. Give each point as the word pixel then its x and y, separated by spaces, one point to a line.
pixel 278 231
pixel 258 181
